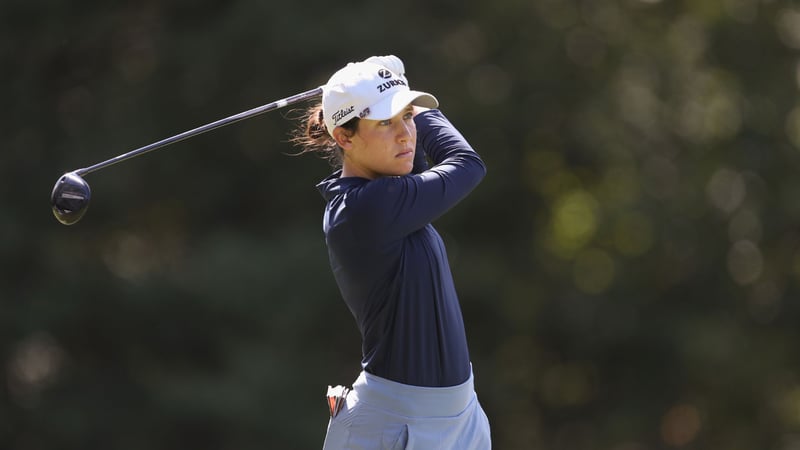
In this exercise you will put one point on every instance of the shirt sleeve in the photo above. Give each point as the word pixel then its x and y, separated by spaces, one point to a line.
pixel 393 207
pixel 420 161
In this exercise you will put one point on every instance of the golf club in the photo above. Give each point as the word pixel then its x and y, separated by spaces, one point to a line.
pixel 71 193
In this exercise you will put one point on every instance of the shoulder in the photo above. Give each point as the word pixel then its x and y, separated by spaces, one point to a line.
pixel 380 193
pixel 371 205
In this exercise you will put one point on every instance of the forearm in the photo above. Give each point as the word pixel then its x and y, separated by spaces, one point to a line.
pixel 445 145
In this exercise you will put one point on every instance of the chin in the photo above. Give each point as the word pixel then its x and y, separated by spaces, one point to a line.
pixel 399 171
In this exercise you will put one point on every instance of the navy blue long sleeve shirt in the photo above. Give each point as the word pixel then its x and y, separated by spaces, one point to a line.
pixel 391 265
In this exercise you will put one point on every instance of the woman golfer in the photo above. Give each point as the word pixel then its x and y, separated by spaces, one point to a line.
pixel 416 388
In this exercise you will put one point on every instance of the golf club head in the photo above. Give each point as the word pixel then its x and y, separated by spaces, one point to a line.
pixel 70 198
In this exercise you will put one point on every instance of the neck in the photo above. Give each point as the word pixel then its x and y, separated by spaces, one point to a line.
pixel 349 171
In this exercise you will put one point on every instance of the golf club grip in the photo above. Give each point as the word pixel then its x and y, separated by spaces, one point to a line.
pixel 204 128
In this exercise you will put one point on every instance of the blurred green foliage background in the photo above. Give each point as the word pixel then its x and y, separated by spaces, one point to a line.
pixel 628 270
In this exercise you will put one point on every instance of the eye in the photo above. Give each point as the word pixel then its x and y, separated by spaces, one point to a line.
pixel 386 122
pixel 408 116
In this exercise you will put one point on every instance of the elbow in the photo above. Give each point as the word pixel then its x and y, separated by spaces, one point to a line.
pixel 480 168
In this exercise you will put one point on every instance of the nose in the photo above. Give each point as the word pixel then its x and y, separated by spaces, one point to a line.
pixel 405 132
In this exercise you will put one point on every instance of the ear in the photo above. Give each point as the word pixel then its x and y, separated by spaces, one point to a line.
pixel 342 138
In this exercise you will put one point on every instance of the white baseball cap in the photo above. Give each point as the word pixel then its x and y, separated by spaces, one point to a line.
pixel 368 91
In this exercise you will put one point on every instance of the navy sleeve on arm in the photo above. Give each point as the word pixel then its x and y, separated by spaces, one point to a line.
pixel 406 204
pixel 420 161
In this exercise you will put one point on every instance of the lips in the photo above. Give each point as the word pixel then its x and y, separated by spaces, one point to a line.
pixel 405 154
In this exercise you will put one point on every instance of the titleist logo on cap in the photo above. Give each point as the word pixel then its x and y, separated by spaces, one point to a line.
pixel 340 114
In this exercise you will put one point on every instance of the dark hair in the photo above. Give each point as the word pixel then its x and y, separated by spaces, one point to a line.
pixel 311 135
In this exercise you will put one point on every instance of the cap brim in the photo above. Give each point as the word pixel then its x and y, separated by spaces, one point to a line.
pixel 392 106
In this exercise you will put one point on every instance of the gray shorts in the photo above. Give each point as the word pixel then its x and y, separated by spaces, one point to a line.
pixel 382 414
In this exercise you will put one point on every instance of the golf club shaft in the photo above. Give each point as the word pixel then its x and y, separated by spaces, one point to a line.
pixel 202 129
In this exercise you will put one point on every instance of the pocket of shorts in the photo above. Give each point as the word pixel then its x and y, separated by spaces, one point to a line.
pixel 396 440
pixel 348 409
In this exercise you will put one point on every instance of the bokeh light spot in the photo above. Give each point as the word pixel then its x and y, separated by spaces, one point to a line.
pixel 464 45
pixel 745 262
pixel 565 385
pixel 726 190
pixel 130 256
pixel 680 425
pixel 793 127
pixel 33 365
pixel 593 271
pixel 788 27
pixel 574 222
pixel 789 407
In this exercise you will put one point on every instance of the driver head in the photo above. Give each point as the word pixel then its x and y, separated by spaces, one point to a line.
pixel 70 198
